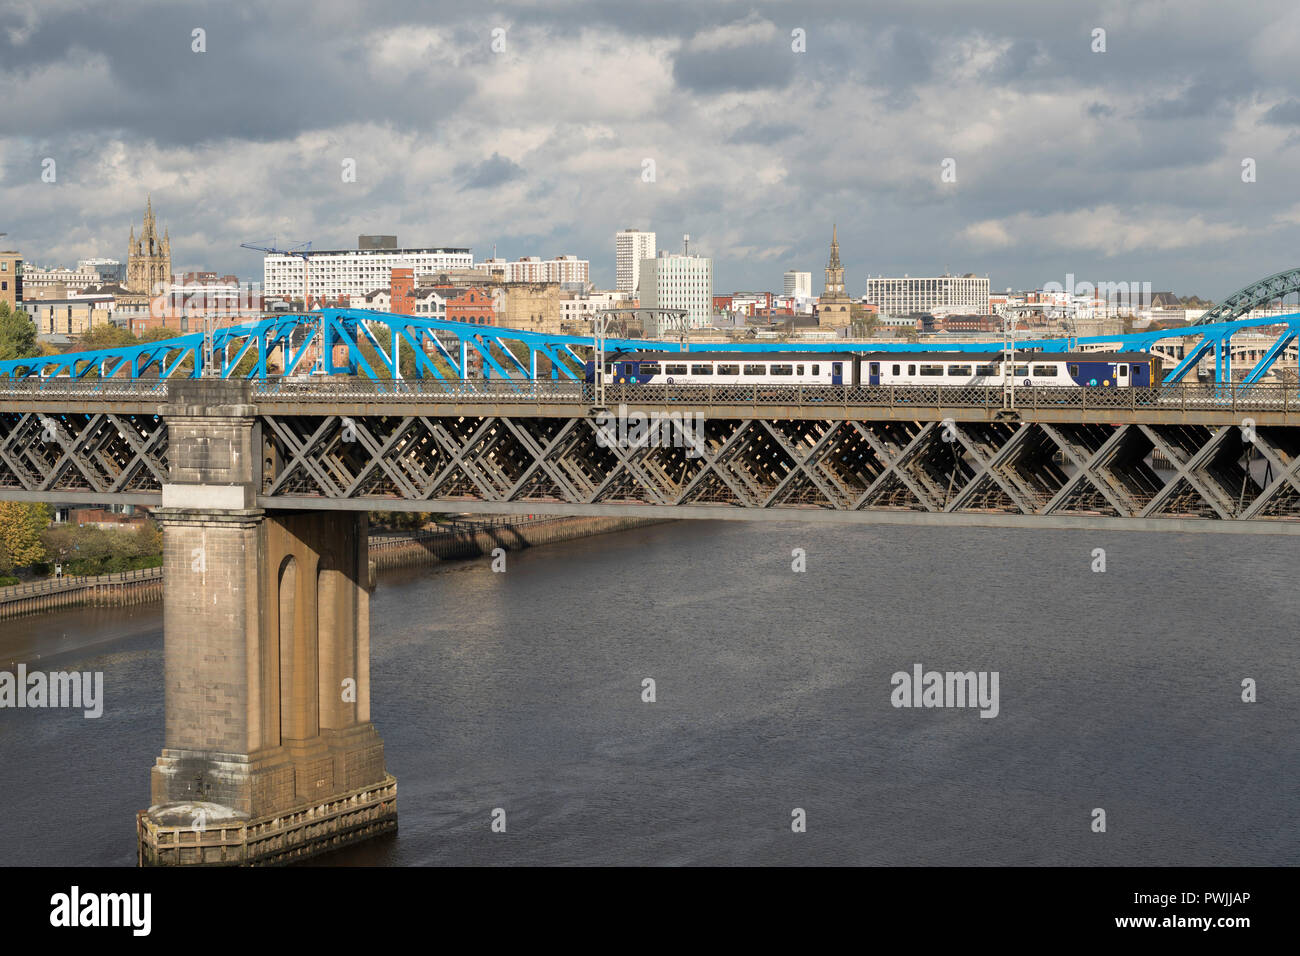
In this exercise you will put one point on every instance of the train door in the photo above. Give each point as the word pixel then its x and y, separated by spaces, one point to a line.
pixel 1121 375
pixel 837 373
pixel 873 373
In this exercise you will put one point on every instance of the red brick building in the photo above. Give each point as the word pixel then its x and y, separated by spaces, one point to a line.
pixel 472 305
pixel 402 292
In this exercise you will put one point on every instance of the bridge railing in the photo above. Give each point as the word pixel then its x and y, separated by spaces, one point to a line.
pixel 70 582
pixel 107 388
pixel 325 389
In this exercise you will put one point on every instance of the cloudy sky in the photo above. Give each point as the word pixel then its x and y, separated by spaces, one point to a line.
pixel 1122 165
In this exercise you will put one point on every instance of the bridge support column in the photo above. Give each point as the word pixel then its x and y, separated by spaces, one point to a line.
pixel 269 753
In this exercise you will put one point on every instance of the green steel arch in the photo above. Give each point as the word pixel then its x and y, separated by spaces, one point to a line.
pixel 1252 296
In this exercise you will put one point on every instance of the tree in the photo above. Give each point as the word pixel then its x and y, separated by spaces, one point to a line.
pixel 17 334
pixel 106 336
pixel 21 527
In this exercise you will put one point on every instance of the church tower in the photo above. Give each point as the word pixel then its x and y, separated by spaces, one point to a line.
pixel 148 259
pixel 834 308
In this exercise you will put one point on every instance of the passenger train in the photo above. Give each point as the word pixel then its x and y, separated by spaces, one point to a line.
pixel 1068 369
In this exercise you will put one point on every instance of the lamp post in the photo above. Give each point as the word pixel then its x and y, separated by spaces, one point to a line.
pixel 1009 361
pixel 602 319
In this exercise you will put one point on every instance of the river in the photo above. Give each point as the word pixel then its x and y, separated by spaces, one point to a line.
pixel 523 691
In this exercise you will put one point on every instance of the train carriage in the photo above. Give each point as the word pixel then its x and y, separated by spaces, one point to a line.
pixel 728 368
pixel 1043 369
pixel 948 369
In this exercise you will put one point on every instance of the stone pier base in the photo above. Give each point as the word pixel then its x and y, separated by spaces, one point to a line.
pixel 207 834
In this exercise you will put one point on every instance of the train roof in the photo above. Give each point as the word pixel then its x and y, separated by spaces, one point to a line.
pixel 1020 354
pixel 732 356
pixel 720 356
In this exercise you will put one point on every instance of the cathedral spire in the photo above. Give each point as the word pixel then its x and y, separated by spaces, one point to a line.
pixel 835 248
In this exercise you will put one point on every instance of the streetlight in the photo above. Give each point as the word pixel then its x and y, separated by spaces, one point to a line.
pixel 602 319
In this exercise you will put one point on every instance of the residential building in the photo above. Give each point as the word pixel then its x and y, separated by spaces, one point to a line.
pixel 57 320
pixel 534 269
pixel 11 277
pixel 578 309
pixel 57 283
pixel 108 270
pixel 631 248
pixel 968 293
pixel 677 281
pixel 798 284
pixel 353 272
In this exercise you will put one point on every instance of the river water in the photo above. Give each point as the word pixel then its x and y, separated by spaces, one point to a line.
pixel 523 691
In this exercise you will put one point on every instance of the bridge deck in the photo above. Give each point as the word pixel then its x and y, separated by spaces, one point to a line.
pixel 1179 458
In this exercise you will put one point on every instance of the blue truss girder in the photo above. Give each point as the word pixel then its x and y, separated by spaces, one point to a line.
pixel 290 338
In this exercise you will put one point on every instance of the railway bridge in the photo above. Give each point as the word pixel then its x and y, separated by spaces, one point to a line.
pixel 262 485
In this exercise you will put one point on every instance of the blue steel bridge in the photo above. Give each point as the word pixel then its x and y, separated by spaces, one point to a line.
pixel 500 420
pixel 371 345
pixel 261 483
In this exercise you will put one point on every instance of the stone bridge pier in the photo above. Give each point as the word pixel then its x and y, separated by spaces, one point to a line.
pixel 269 754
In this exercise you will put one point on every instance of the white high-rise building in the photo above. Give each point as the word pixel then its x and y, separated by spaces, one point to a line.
pixel 631 248
pixel 673 281
pixel 907 295
pixel 798 284
pixel 535 269
pixel 354 272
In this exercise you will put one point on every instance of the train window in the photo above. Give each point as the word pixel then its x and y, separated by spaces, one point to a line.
pixel 755 369
pixel 1074 371
pixel 798 370
pixel 728 369
pixel 609 370
pixel 988 370
pixel 875 368
pixel 958 369
pixel 1022 370
pixel 931 369
pixel 782 370
pixel 1045 371
pixel 701 369
pixel 817 370
pixel 674 369
pixel 649 368
pixel 896 369
pixel 911 369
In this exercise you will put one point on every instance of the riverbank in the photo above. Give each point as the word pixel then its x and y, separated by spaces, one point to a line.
pixel 460 541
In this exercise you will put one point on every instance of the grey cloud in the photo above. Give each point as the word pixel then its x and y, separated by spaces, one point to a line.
pixel 759 131
pixel 493 171
pixel 748 67
pixel 1286 113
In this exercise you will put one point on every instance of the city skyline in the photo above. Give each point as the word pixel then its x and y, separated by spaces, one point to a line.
pixel 1115 165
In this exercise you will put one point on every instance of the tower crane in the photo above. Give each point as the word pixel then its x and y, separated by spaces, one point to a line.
pixel 302 250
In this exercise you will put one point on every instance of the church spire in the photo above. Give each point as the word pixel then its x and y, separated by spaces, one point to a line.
pixel 834 291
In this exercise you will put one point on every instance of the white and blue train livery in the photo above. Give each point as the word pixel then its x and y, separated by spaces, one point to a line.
pixel 728 368
pixel 1046 369
pixel 1060 369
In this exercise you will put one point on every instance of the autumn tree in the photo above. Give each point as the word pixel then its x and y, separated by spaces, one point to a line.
pixel 21 527
pixel 17 334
